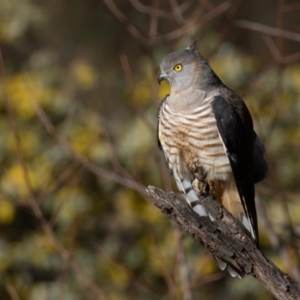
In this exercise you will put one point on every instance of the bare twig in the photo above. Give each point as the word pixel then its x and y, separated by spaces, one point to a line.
pixel 131 84
pixel 290 7
pixel 50 187
pixel 268 30
pixel 169 279
pixel 191 22
pixel 177 12
pixel 79 157
pixel 183 268
pixel 194 21
pixel 199 279
pixel 226 28
pixel 272 47
pixel 150 10
pixel 277 55
pixel 113 155
pixel 12 291
pixel 291 58
pixel 207 279
pixel 153 20
pixel 65 198
pixel 122 19
pixel 280 25
pixel 127 70
pixel 69 118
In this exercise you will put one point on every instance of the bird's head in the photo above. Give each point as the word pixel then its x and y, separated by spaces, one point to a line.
pixel 185 68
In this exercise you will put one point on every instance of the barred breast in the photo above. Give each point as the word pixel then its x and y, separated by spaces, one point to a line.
pixel 191 140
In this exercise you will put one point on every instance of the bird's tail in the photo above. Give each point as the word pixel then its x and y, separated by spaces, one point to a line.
pixel 231 270
pixel 186 187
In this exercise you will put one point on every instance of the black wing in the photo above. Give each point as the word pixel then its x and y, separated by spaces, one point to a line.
pixel 260 164
pixel 235 127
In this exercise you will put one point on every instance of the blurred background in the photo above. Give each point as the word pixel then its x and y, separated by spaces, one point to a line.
pixel 78 112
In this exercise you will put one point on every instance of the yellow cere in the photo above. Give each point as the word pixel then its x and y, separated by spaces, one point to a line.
pixel 178 67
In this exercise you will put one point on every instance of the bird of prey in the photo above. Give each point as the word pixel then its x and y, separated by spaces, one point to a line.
pixel 206 134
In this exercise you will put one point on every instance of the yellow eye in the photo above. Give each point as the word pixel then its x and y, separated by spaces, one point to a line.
pixel 178 67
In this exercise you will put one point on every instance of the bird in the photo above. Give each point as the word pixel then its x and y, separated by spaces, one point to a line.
pixel 206 134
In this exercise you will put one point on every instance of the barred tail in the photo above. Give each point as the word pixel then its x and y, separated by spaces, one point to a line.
pixel 232 271
pixel 185 186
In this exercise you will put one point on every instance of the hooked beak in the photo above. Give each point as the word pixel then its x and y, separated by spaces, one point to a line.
pixel 162 76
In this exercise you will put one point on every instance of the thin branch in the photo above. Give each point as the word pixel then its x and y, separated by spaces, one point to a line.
pixel 132 184
pixel 68 121
pixel 113 155
pixel 194 21
pixel 207 279
pixel 169 279
pixel 158 12
pixel 280 25
pixel 50 186
pixel 153 20
pixel 226 28
pixel 277 55
pixel 290 7
pixel 122 19
pixel 150 10
pixel 268 30
pixel 177 12
pixel 66 196
pixel 291 58
pixel 272 47
pixel 199 279
pixel 183 267
pixel 127 70
pixel 225 239
pixel 11 291
pixel 130 82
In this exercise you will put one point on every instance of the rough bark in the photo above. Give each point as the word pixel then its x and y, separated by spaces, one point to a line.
pixel 226 239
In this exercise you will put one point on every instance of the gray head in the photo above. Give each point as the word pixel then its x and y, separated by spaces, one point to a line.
pixel 187 68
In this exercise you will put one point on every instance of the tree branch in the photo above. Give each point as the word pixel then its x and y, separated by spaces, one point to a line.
pixel 225 239
pixel 268 30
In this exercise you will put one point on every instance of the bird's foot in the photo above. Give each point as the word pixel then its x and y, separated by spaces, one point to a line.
pixel 202 187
